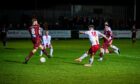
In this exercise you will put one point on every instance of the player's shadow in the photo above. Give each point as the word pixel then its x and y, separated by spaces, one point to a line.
pixel 12 61
pixel 75 63
pixel 10 48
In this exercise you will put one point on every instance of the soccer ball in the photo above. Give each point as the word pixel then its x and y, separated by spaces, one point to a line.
pixel 42 59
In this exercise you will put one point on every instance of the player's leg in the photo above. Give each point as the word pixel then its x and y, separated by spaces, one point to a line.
pixel 90 60
pixel 44 50
pixel 30 55
pixel 110 51
pixel 101 54
pixel 36 45
pixel 103 50
pixel 115 48
pixel 92 52
pixel 82 57
pixel 41 52
pixel 51 50
pixel 133 39
pixel 106 49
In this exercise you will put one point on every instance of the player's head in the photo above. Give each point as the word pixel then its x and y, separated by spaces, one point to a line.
pixel 91 27
pixel 34 21
pixel 47 32
pixel 107 28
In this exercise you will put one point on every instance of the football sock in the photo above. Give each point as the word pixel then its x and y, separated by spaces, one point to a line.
pixel 51 51
pixel 45 52
pixel 91 60
pixel 84 56
pixel 28 57
pixel 101 55
pixel 41 53
pixel 114 47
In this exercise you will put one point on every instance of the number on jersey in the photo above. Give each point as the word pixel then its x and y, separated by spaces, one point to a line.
pixel 95 36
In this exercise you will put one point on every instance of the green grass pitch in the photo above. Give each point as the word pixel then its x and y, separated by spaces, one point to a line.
pixel 62 69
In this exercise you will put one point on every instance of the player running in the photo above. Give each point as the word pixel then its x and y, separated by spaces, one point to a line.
pixel 46 42
pixel 108 43
pixel 35 31
pixel 94 39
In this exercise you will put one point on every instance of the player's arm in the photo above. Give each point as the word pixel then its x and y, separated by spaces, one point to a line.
pixel 81 32
pixel 103 36
pixel 43 40
pixel 40 31
pixel 32 32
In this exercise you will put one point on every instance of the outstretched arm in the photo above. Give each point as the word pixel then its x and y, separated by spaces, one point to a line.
pixel 104 36
pixel 81 32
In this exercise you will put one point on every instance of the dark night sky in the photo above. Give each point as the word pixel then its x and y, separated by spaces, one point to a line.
pixel 44 4
pixel 39 4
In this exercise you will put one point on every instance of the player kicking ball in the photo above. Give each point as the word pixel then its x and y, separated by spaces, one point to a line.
pixel 46 42
pixel 94 40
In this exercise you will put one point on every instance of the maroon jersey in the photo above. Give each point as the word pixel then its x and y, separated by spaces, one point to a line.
pixel 106 42
pixel 35 35
pixel 35 31
pixel 109 35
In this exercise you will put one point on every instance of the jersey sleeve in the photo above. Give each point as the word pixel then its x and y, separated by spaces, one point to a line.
pixel 86 32
pixel 99 33
pixel 41 31
pixel 32 32
pixel 43 39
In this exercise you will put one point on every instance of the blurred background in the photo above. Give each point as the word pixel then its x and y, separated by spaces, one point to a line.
pixel 69 14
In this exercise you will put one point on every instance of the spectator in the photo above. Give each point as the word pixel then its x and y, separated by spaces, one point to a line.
pixel 4 31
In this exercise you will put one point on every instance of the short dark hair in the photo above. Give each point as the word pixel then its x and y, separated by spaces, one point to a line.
pixel 91 26
pixel 106 23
